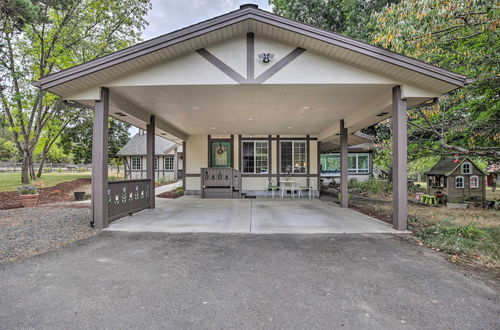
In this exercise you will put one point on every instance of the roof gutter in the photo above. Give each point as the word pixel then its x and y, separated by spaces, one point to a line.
pixel 77 105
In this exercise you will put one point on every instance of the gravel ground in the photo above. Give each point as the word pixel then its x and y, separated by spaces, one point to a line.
pixel 26 232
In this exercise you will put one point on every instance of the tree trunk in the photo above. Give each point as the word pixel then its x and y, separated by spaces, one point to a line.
pixel 25 170
pixel 42 160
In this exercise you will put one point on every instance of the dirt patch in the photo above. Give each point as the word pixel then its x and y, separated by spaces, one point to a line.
pixel 62 192
pixel 26 232
pixel 171 194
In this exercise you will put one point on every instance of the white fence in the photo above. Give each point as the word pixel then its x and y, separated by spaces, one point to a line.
pixel 55 168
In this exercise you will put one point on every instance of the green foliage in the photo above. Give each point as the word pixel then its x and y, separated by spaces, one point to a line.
pixel 77 138
pixel 460 36
pixel 8 151
pixel 370 187
pixel 47 37
pixel 469 240
pixel 348 17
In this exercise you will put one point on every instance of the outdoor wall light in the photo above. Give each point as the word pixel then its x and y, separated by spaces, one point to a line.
pixel 266 57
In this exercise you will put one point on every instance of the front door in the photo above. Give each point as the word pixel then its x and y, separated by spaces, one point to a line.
pixel 220 153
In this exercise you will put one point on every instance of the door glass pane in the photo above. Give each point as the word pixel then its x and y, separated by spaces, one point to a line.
pixel 261 157
pixel 299 157
pixel 248 157
pixel 286 156
pixel 221 154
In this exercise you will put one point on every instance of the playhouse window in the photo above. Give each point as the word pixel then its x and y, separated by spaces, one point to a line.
pixel 459 182
pixel 466 168
pixel 474 181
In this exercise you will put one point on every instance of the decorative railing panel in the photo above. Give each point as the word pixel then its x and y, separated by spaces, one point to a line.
pixel 127 196
pixel 220 182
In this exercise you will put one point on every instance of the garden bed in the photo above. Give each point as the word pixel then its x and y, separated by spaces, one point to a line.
pixel 176 193
pixel 61 192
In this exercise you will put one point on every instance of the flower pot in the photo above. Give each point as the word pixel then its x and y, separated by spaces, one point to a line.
pixel 79 195
pixel 29 200
pixel 339 195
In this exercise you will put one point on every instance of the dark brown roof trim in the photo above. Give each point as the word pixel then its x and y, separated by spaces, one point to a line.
pixel 250 13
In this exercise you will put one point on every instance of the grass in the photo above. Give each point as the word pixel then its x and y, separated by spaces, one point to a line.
pixel 10 181
pixel 470 235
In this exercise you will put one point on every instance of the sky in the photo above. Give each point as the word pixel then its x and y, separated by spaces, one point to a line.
pixel 170 15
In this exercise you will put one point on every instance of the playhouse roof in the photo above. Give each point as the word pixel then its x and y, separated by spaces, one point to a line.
pixel 447 165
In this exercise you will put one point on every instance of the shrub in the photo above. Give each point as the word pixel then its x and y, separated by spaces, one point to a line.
pixel 370 187
pixel 27 189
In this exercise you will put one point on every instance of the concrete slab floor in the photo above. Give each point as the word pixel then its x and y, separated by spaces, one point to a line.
pixel 118 280
pixel 190 214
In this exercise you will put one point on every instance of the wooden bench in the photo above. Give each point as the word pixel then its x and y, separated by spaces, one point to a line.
pixel 220 183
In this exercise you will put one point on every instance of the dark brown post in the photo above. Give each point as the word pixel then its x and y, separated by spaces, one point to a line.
pixel 150 156
pixel 176 166
pixel 318 165
pixel 343 166
pixel 399 154
pixel 308 160
pixel 184 170
pixel 100 161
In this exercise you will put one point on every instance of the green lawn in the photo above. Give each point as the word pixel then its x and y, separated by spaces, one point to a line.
pixel 10 181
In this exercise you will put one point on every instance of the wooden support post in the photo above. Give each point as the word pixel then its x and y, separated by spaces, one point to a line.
pixel 176 165
pixel 184 171
pixel 150 163
pixel 344 197
pixel 399 154
pixel 100 161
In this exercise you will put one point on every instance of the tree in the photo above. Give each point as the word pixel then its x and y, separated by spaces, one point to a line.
pixel 61 34
pixel 461 36
pixel 348 17
pixel 77 138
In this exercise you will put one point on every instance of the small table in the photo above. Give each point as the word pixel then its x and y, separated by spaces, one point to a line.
pixel 429 200
pixel 287 185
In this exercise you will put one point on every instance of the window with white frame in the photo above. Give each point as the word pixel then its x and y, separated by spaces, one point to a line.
pixel 293 157
pixel 254 157
pixel 357 163
pixel 466 168
pixel 474 181
pixel 169 163
pixel 135 163
pixel 459 182
pixel 156 163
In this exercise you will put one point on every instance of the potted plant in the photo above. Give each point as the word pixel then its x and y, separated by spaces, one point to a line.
pixel 79 195
pixel 28 195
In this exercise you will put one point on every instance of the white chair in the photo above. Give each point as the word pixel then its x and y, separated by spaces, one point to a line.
pixel 271 185
pixel 309 190
pixel 286 185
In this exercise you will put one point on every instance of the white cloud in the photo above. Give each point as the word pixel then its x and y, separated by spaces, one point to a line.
pixel 170 15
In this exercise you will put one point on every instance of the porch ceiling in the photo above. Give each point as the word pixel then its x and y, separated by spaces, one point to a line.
pixel 255 109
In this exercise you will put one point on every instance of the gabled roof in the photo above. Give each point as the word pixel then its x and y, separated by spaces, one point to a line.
pixel 136 146
pixel 247 19
pixel 447 165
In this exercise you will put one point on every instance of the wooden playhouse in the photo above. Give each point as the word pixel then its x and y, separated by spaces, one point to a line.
pixel 458 178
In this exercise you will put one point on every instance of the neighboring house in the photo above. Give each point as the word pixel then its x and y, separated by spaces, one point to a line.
pixel 359 163
pixel 168 158
pixel 492 173
pixel 458 178
pixel 215 88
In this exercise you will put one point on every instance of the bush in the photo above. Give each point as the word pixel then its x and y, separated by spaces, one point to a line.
pixel 370 187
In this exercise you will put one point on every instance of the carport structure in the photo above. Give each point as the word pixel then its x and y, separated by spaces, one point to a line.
pixel 252 91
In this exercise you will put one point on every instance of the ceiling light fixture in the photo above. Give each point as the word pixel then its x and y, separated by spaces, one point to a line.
pixel 250 119
pixel 307 107
pixel 213 127
pixel 196 108
pixel 289 127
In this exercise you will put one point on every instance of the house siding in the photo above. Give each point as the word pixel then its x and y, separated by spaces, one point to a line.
pixel 466 193
pixel 197 158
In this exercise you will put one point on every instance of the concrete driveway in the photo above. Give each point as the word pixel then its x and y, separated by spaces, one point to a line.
pixel 258 216
pixel 118 280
